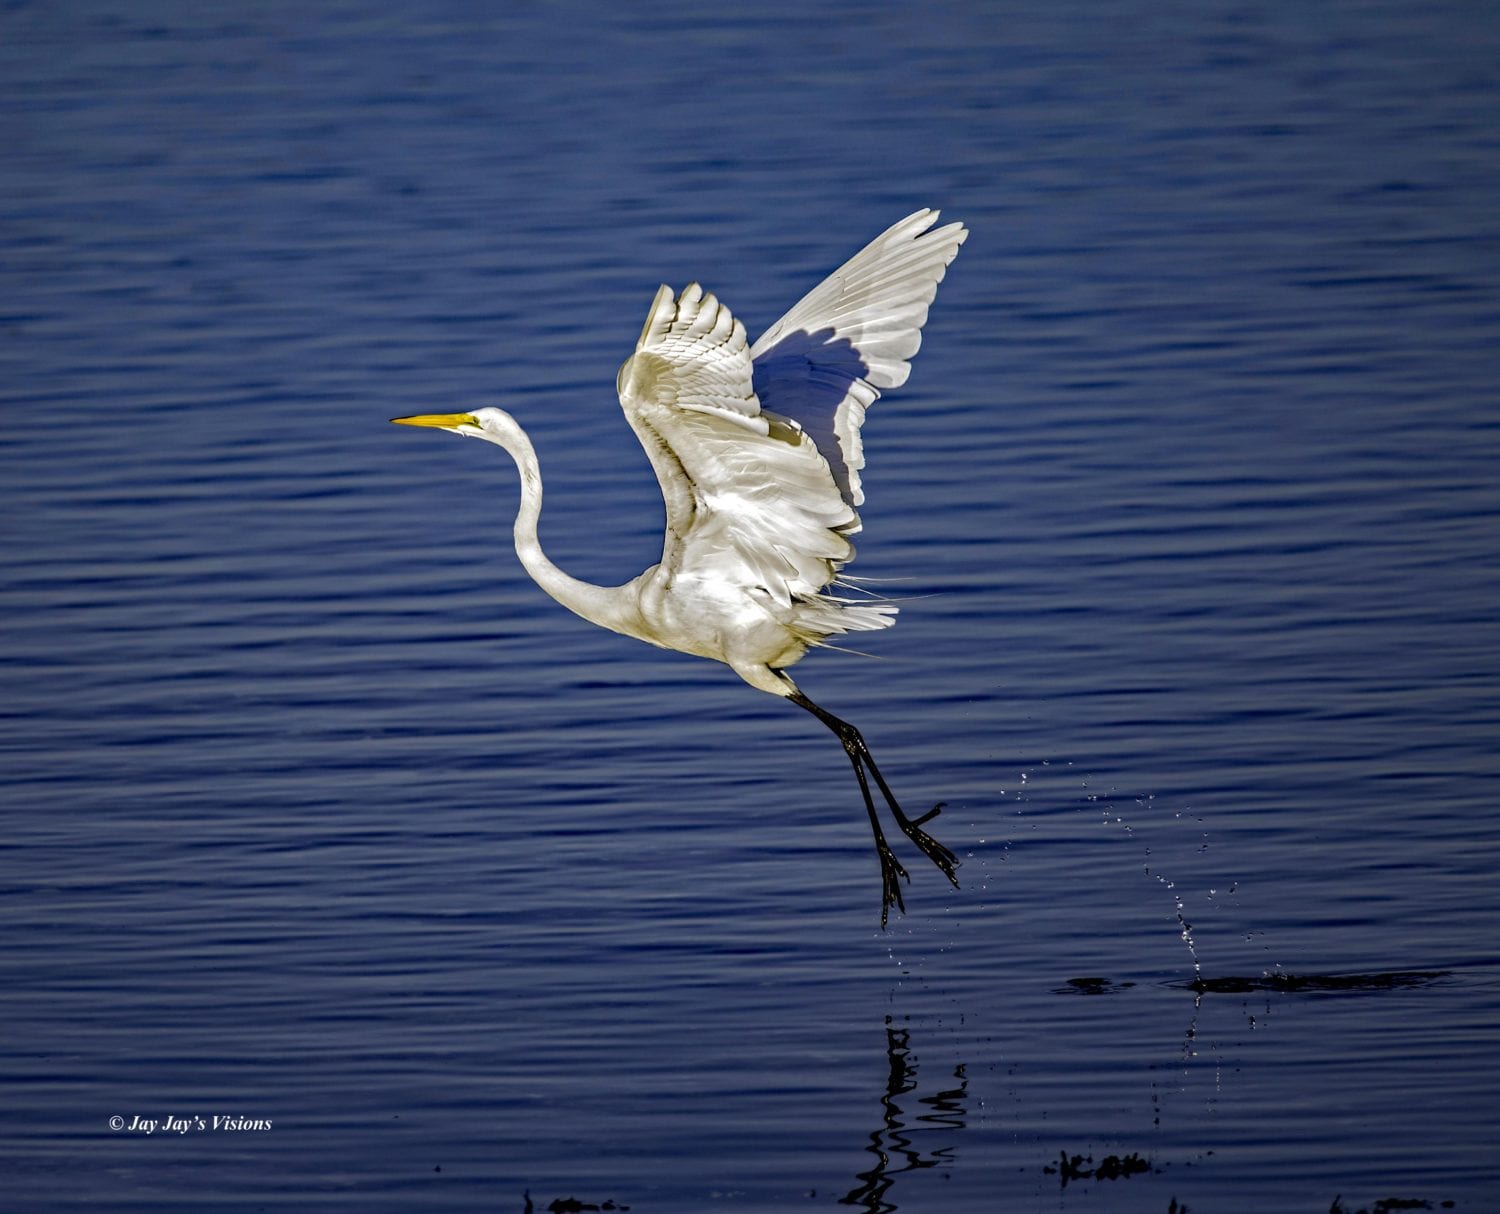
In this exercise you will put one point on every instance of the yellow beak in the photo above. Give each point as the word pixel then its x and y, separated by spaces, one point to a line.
pixel 440 421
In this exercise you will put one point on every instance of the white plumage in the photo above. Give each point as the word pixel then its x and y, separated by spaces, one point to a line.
pixel 757 450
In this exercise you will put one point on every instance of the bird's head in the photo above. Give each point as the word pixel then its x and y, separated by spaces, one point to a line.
pixel 496 425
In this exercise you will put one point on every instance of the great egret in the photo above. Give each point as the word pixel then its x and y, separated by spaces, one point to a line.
pixel 757 449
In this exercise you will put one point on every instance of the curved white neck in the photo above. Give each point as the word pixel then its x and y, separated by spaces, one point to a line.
pixel 612 607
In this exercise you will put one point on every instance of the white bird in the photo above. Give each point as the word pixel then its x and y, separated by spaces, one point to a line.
pixel 757 449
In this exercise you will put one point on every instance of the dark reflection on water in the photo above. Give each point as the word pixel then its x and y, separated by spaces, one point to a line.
pixel 571 1205
pixel 1272 981
pixel 901 1142
pixel 1093 986
pixel 1315 983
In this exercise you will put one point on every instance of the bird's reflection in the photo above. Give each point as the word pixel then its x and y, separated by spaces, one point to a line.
pixel 899 1142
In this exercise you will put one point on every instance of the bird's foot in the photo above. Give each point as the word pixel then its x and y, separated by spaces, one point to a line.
pixel 891 876
pixel 930 814
pixel 945 860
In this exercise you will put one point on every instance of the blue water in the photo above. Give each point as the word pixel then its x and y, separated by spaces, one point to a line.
pixel 318 814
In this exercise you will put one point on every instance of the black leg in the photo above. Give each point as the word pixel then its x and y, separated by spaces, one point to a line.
pixel 891 872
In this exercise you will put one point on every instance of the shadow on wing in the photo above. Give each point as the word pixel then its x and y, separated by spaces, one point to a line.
pixel 818 380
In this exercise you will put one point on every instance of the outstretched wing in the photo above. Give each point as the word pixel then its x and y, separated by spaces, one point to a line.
pixel 748 495
pixel 824 363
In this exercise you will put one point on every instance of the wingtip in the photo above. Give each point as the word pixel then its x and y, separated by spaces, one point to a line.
pixel 955 225
pixel 922 225
pixel 917 222
pixel 660 313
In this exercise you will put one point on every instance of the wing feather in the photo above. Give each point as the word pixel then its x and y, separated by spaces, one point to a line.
pixel 768 494
pixel 825 362
pixel 744 490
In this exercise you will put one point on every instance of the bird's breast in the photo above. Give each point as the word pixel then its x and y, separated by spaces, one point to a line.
pixel 714 618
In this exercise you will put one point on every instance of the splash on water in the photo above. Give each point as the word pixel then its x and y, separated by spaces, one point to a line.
pixel 1179 907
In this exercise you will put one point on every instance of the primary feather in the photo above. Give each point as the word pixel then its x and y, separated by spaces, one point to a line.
pixel 825 361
